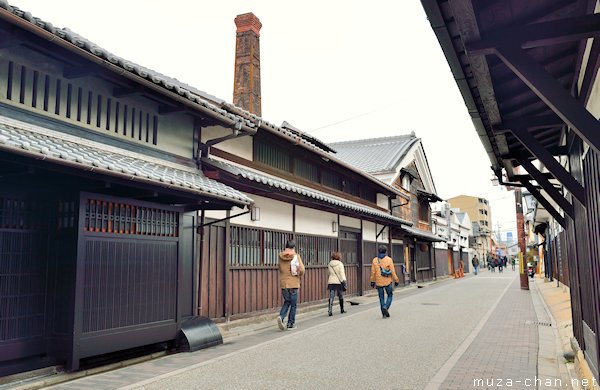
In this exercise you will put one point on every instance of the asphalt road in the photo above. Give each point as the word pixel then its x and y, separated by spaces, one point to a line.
pixel 357 350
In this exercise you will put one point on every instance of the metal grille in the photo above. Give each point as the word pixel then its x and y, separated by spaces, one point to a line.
pixel 128 282
pixel 120 218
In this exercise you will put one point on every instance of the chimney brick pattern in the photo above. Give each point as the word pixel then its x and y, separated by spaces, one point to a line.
pixel 246 87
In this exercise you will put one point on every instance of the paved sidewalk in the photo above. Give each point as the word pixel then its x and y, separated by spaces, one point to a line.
pixel 500 337
pixel 517 346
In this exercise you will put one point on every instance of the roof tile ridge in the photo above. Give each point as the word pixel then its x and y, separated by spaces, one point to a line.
pixel 24 126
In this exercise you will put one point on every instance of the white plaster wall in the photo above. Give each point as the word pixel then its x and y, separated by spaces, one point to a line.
pixel 273 215
pixel 349 222
pixel 313 221
pixel 240 146
pixel 368 232
pixel 383 201
pixel 397 241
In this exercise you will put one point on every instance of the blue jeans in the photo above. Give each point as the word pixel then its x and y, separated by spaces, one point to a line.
pixel 385 303
pixel 290 299
pixel 475 269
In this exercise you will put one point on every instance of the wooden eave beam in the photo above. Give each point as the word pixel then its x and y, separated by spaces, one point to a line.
pixel 122 92
pixel 76 72
pixel 547 205
pixel 164 109
pixel 538 34
pixel 591 72
pixel 528 177
pixel 571 111
pixel 529 122
pixel 560 200
pixel 542 154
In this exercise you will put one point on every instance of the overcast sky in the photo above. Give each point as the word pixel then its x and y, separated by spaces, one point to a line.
pixel 337 69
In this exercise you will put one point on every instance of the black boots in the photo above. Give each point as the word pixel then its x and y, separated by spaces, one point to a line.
pixel 330 307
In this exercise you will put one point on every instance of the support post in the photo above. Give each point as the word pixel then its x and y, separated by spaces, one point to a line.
pixel 521 237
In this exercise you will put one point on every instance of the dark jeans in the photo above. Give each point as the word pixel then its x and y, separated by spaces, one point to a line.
pixel 290 299
pixel 385 303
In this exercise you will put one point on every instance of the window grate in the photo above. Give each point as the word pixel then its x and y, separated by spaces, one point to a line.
pixel 120 218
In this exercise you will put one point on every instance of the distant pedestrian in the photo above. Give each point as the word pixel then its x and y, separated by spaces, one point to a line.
pixel 500 262
pixel 382 275
pixel 512 262
pixel 291 269
pixel 475 262
pixel 336 282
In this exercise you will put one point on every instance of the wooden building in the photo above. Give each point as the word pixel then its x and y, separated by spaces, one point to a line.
pixel 131 202
pixel 400 162
pixel 528 73
pixel 99 187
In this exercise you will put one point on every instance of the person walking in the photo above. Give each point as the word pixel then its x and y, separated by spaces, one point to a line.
pixel 512 262
pixel 500 264
pixel 291 270
pixel 475 262
pixel 382 274
pixel 336 282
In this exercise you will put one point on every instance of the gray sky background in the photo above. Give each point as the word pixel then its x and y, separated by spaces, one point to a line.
pixel 337 69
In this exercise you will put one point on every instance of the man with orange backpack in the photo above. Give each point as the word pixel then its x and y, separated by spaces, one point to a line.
pixel 382 275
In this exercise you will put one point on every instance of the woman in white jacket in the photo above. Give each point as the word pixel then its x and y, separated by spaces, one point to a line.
pixel 336 282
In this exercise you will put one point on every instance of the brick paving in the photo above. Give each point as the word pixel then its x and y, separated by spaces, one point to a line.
pixel 505 352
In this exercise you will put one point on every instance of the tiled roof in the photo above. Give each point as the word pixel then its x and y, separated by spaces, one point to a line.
pixel 227 111
pixel 203 99
pixel 424 234
pixel 38 142
pixel 207 101
pixel 375 155
pixel 286 185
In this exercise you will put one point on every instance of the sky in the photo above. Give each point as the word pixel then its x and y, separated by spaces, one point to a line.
pixel 336 69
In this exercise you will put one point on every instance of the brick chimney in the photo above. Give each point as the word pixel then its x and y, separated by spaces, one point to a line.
pixel 246 86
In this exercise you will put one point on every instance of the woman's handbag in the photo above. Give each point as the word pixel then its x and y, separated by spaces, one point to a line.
pixel 343 283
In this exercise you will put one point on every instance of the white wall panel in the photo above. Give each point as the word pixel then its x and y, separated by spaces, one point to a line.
pixel 313 221
pixel 369 231
pixel 349 222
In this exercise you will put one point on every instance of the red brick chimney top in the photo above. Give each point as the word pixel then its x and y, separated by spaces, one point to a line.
pixel 248 22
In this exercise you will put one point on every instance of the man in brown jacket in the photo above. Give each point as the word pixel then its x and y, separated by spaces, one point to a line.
pixel 382 273
pixel 291 269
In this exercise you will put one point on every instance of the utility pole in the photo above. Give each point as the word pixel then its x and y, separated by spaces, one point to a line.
pixel 521 238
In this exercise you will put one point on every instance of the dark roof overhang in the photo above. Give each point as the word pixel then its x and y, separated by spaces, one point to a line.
pixel 517 69
pixel 263 184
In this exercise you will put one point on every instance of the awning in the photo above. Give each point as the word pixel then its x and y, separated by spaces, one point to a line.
pixel 422 234
pixel 37 142
pixel 286 185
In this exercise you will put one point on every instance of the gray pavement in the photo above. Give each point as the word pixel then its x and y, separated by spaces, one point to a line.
pixel 442 336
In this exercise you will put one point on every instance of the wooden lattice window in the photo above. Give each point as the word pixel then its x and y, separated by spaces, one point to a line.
pixel 315 250
pixel 20 214
pixel 256 247
pixel 65 98
pixel 121 218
